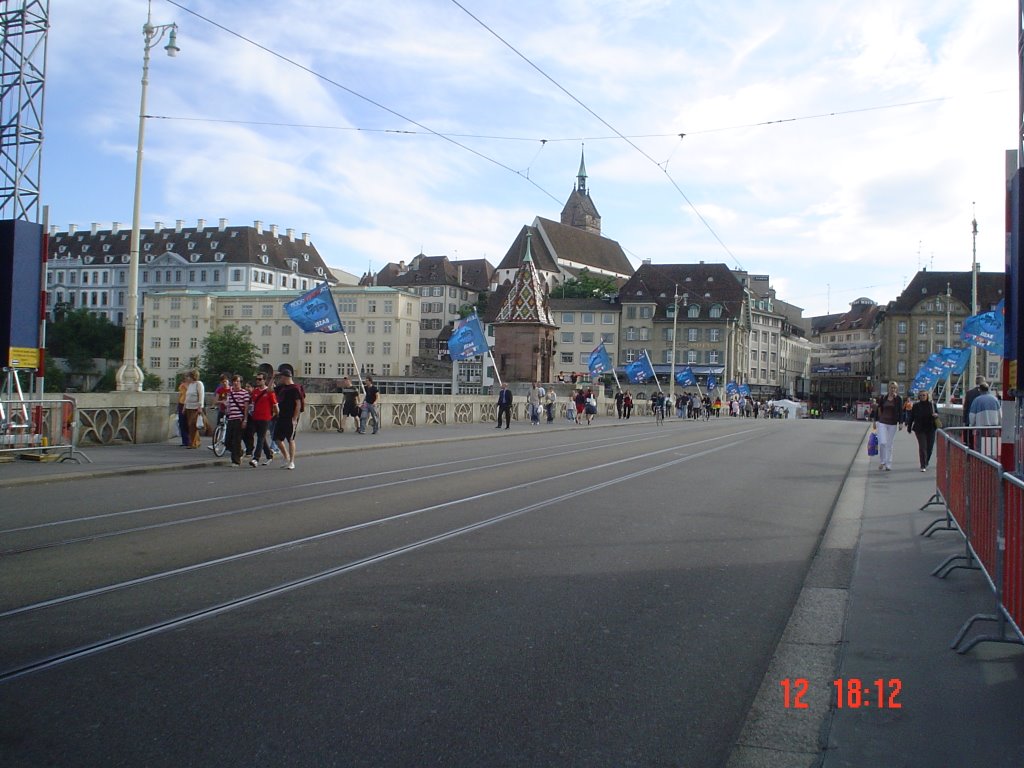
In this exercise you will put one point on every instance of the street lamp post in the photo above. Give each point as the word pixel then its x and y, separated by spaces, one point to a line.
pixel 129 375
pixel 949 373
pixel 675 342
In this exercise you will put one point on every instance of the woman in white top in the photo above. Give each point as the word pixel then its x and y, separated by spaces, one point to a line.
pixel 195 399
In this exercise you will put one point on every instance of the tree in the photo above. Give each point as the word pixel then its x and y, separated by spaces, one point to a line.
pixel 79 336
pixel 586 286
pixel 55 380
pixel 229 350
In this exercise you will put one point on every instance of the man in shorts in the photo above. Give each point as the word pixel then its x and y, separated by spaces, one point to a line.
pixel 349 406
pixel 289 403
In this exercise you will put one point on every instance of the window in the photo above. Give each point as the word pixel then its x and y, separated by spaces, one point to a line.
pixel 901 346
pixel 631 333
pixel 247 310
pixel 666 335
pixel 155 342
pixel 193 343
pixel 174 342
pixel 370 348
pixel 173 362
pixel 308 347
pixel 387 327
pixel 715 311
pixel 371 326
pixel 437 290
pixel 266 310
pixel 371 306
pixel 630 311
pixel 714 334
pixel 691 357
pixel 322 348
pixel 567 337
pixel 565 357
pixel 229 311
pixel 265 348
pixel 347 304
pixel 286 330
pixel 608 338
pixel 901 366
pixel 587 338
pixel 922 326
pixel 607 318
pixel 901 327
pixel 389 307
pixel 714 357
pixel 645 334
pixel 693 334
pixel 940 327
pixel 588 318
pixel 693 311
pixel 175 305
pixel 385 349
pixel 646 313
pixel 922 347
pixel 568 318
pixel 286 349
pixel 957 328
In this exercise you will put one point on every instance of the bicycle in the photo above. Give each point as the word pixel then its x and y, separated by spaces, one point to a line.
pixel 219 433
pixel 659 413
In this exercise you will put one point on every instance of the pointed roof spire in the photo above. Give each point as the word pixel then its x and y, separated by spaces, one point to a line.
pixel 581 177
pixel 529 255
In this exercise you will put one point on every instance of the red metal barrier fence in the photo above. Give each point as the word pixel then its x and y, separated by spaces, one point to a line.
pixel 986 504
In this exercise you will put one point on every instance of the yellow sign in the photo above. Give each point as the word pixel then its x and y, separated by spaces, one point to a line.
pixel 23 357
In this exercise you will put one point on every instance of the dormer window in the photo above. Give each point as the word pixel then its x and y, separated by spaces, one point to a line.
pixel 693 310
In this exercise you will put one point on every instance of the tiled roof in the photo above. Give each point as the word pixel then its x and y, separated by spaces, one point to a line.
pixel 207 246
pixel 527 298
pixel 439 270
pixel 933 284
pixel 703 284
pixel 551 241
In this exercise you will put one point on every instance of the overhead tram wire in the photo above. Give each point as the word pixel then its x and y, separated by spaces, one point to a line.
pixel 358 95
pixel 608 125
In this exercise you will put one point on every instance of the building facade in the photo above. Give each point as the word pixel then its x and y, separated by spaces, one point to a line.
pixel 843 362
pixel 382 325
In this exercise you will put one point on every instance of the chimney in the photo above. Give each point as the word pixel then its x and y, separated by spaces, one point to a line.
pixel 460 275
pixel 95 227
pixel 200 225
pixel 273 230
pixel 115 227
pixel 258 226
pixel 305 238
pixel 222 224
pixel 53 230
pixel 179 225
pixel 646 262
pixel 158 227
pixel 72 228
pixel 291 235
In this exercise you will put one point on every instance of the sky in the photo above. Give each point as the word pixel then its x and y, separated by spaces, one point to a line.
pixel 838 147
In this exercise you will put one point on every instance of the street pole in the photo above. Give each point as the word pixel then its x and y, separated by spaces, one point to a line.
pixel 973 367
pixel 949 372
pixel 129 375
pixel 675 346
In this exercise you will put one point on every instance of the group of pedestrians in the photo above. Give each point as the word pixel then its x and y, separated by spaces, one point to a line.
pixel 891 414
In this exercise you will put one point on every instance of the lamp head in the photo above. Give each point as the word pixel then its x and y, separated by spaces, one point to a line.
pixel 172 43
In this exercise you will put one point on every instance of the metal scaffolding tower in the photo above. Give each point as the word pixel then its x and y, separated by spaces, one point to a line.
pixel 23 26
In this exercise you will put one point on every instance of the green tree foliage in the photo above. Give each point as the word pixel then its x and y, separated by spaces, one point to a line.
pixel 229 350
pixel 586 286
pixel 55 380
pixel 79 336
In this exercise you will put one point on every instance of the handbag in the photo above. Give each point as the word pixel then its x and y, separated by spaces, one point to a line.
pixel 873 444
pixel 935 418
pixel 200 423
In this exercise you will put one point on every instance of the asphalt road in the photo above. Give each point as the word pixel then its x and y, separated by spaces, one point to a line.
pixel 586 597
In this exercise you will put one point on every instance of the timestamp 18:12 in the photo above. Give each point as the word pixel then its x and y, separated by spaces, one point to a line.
pixel 851 693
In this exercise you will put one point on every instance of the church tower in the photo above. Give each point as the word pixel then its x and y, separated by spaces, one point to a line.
pixel 579 210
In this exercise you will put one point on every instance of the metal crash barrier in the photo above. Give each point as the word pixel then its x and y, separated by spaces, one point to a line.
pixel 986 505
pixel 40 428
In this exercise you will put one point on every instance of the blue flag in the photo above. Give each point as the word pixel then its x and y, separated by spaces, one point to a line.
pixel 986 330
pixel 599 360
pixel 641 370
pixel 744 390
pixel 467 340
pixel 686 377
pixel 731 390
pixel 712 381
pixel 963 356
pixel 314 312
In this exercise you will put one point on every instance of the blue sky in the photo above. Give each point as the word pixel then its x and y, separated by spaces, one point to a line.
pixel 836 146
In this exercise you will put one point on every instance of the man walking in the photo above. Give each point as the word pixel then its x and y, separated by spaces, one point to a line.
pixel 264 409
pixel 986 415
pixel 370 408
pixel 289 399
pixel 348 404
pixel 504 406
pixel 236 411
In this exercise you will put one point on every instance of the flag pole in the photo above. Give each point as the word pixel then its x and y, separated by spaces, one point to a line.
pixel 355 363
pixel 647 355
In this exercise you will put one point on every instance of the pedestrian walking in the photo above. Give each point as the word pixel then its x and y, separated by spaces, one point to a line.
pixel 888 413
pixel 627 404
pixel 183 430
pixel 921 423
pixel 264 410
pixel 504 406
pixel 551 403
pixel 590 406
pixel 236 411
pixel 349 406
pixel 195 400
pixel 289 403
pixel 986 416
pixel 534 400
pixel 370 408
pixel 619 398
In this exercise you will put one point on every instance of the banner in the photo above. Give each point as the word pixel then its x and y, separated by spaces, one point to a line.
pixel 599 361
pixel 986 330
pixel 731 390
pixel 744 390
pixel 641 370
pixel 468 339
pixel 314 312
pixel 686 378
pixel 712 381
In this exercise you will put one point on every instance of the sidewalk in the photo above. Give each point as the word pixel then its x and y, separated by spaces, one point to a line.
pixel 870 610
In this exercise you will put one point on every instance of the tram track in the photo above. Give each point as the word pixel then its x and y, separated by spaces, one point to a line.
pixel 130 635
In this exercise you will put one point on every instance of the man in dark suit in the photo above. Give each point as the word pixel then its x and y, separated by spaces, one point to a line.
pixel 969 398
pixel 504 406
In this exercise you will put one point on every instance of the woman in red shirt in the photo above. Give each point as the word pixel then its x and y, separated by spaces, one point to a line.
pixel 264 408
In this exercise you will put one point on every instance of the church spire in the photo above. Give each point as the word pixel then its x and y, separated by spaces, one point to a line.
pixel 581 177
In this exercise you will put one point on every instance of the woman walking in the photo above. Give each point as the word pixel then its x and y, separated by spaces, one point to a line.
pixel 922 424
pixel 888 413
